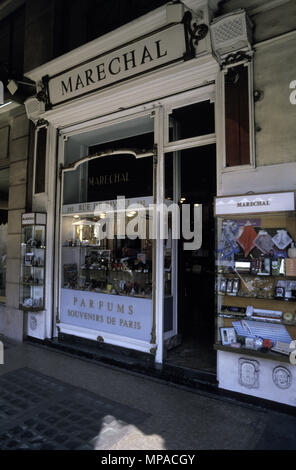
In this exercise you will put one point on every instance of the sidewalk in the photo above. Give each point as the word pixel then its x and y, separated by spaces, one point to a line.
pixel 49 400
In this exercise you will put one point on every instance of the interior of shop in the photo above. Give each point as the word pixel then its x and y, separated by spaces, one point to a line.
pixel 196 298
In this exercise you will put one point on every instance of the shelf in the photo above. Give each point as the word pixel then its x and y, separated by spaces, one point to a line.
pixel 32 284
pixel 270 355
pixel 282 276
pixel 35 248
pixel 281 322
pixel 31 266
pixel 105 292
pixel 31 309
pixel 84 246
pixel 107 271
pixel 269 304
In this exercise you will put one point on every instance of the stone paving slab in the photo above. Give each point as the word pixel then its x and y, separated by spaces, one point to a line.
pixel 40 412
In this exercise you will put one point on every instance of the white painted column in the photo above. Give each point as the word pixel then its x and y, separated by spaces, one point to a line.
pixel 160 196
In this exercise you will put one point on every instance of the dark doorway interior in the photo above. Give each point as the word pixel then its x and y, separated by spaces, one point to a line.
pixel 196 298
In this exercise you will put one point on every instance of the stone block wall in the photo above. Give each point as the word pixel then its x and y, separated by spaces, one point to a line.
pixel 11 318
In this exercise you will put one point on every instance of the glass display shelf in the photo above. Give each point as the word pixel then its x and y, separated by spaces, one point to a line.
pixel 95 270
pixel 33 260
pixel 255 282
pixel 243 317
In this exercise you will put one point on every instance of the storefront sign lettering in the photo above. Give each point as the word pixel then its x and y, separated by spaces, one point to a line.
pixel 108 179
pixel 123 316
pixel 115 66
pixel 157 50
pixel 85 208
pixel 255 203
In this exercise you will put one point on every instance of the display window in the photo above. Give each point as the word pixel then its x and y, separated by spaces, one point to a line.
pixel 256 274
pixel 110 266
pixel 107 250
pixel 33 262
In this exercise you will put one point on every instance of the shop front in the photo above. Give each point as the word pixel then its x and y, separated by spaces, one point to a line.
pixel 136 135
pixel 129 130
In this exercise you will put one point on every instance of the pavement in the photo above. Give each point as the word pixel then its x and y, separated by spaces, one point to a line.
pixel 50 400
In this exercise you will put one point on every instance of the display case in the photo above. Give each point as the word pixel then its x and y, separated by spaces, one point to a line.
pixel 33 257
pixel 256 274
pixel 118 266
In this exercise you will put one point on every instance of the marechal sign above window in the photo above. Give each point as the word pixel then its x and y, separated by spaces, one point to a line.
pixel 161 48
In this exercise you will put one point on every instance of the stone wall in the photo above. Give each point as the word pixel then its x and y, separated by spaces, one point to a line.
pixel 11 318
pixel 275 116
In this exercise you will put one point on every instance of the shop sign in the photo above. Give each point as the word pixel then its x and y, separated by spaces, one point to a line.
pixel 255 203
pixel 114 314
pixel 148 53
pixel 119 174
pixel 90 207
pixel 34 218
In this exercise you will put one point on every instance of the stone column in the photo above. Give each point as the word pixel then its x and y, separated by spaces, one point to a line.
pixel 12 319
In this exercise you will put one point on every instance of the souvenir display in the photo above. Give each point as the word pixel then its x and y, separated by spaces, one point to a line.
pixel 260 270
pixel 32 280
pixel 116 266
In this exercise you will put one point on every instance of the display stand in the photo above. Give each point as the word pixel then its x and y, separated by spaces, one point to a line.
pixel 33 259
pixel 256 293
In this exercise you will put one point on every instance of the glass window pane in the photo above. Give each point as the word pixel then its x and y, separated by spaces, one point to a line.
pixel 192 121
pixel 106 278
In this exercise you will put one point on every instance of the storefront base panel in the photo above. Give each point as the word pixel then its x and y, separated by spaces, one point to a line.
pixel 258 377
pixel 36 324
pixel 103 337
pixel 11 323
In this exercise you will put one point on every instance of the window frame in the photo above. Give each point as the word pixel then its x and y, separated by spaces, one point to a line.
pixel 252 164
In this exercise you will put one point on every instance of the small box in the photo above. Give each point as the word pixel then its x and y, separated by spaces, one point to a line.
pixel 291 267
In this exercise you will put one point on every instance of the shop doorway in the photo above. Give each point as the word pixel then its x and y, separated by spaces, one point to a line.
pixel 196 298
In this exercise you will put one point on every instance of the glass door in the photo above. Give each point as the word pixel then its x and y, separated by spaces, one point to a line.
pixel 107 250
